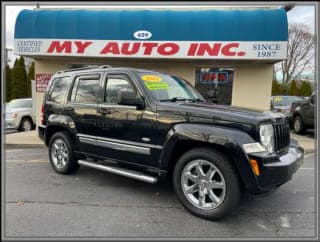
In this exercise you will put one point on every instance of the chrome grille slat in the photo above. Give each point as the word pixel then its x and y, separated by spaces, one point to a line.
pixel 281 136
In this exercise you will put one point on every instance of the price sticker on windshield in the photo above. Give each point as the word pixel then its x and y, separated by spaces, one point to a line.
pixel 151 78
pixel 277 99
pixel 157 85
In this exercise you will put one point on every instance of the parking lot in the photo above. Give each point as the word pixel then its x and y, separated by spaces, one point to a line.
pixel 91 203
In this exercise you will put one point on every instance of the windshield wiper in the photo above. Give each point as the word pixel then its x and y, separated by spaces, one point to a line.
pixel 174 99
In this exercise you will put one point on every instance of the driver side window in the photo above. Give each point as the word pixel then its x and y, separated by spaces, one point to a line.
pixel 114 85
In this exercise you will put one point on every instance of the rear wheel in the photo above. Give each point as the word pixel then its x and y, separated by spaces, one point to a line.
pixel 61 153
pixel 206 183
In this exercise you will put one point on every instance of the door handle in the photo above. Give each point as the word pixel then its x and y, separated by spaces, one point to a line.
pixel 68 108
pixel 104 110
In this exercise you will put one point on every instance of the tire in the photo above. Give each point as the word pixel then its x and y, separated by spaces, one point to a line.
pixel 228 187
pixel 26 124
pixel 61 154
pixel 298 125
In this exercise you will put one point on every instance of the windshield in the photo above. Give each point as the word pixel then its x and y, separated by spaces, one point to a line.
pixel 164 87
pixel 285 100
pixel 19 104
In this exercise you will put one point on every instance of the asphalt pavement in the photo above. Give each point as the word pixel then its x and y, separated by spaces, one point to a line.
pixel 91 203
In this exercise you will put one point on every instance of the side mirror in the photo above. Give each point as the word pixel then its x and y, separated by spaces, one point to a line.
pixel 130 98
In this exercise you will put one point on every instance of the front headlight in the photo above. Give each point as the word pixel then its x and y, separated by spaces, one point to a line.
pixel 267 137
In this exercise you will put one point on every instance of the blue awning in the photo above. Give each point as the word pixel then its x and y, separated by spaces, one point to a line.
pixel 165 25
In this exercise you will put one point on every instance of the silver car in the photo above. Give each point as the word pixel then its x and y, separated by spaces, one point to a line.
pixel 20 115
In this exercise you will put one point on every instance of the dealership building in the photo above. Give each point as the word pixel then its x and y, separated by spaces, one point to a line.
pixel 228 55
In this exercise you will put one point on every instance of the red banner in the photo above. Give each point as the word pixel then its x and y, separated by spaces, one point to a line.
pixel 42 81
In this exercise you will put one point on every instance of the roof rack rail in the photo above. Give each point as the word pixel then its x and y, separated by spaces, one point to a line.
pixel 85 68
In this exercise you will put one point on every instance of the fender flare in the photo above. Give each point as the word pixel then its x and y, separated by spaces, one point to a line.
pixel 61 121
pixel 230 138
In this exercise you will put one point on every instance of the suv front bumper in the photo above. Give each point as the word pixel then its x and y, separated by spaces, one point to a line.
pixel 276 170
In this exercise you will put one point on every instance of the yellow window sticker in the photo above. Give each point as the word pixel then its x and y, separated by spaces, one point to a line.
pixel 151 78
pixel 277 99
pixel 157 85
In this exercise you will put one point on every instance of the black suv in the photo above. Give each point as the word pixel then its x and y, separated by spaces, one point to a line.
pixel 148 125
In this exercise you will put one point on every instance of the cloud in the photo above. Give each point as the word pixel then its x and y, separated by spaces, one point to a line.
pixel 303 14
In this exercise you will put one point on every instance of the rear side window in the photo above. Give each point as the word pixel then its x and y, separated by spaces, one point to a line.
pixel 85 89
pixel 58 90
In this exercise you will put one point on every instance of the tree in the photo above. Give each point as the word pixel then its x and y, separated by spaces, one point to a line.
pixel 19 85
pixel 276 88
pixel 300 53
pixel 8 83
pixel 305 89
pixel 293 89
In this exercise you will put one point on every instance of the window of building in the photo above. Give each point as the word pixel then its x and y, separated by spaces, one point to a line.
pixel 86 89
pixel 114 85
pixel 215 84
pixel 58 90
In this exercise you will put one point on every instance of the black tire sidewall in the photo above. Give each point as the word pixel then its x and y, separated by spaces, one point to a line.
pixel 298 119
pixel 24 120
pixel 72 163
pixel 233 187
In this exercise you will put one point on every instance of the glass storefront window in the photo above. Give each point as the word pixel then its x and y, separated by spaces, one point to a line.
pixel 215 84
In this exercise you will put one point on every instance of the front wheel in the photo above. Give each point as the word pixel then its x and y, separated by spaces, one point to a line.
pixel 206 183
pixel 298 125
pixel 61 153
pixel 26 124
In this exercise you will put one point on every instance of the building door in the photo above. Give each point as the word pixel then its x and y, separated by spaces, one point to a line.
pixel 215 84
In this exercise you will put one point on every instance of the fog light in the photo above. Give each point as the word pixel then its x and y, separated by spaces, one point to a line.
pixel 255 167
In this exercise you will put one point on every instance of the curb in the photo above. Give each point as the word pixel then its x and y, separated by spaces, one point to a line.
pixel 24 146
pixel 308 151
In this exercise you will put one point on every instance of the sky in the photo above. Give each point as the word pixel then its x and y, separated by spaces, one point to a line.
pixel 299 14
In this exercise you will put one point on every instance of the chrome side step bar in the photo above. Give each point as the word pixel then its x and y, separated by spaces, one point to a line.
pixel 119 171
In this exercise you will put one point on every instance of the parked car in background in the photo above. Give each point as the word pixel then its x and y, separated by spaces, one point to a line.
pixel 20 115
pixel 302 114
pixel 283 103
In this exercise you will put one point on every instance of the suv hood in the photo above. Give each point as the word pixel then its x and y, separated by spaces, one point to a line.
pixel 220 112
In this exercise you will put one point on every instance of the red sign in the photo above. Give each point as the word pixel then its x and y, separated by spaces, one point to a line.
pixel 42 81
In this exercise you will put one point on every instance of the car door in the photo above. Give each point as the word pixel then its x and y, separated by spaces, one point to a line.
pixel 125 133
pixel 82 107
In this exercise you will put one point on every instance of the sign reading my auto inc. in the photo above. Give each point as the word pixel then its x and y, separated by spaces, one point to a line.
pixel 153 49
pixel 42 81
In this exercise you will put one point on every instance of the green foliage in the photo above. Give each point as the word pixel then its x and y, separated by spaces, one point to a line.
pixel 8 83
pixel 305 89
pixel 20 87
pixel 293 89
pixel 277 88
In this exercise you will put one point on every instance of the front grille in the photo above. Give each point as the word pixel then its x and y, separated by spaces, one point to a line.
pixel 281 136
